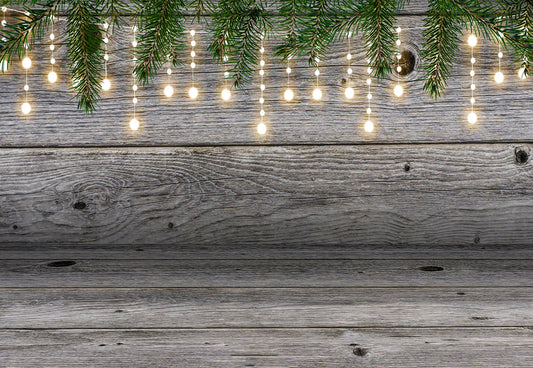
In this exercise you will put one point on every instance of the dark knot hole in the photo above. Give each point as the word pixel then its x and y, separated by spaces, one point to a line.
pixel 521 156
pixel 431 268
pixel 80 205
pixel 61 264
pixel 407 62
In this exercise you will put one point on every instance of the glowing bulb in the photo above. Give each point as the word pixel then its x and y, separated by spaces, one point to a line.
pixel 193 92
pixel 472 73
pixel 522 73
pixel 317 94
pixel 317 72
pixel 369 126
pixel 398 42
pixel 106 85
pixel 52 36
pixel 472 41
pixel 26 63
pixel 289 95
pixel 4 23
pixel 261 128
pixel 398 91
pixel 499 77
pixel 134 124
pixel 52 77
pixel 193 32
pixel 4 66
pixel 169 91
pixel 349 93
pixel 350 71
pixel 26 108
pixel 193 65
pixel 473 60
pixel 226 94
pixel 472 118
pixel 349 56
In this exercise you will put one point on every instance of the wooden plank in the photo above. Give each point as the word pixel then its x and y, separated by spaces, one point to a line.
pixel 53 252
pixel 453 348
pixel 260 308
pixel 262 273
pixel 451 194
pixel 179 121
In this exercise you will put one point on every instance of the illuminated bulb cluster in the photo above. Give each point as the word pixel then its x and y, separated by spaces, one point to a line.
pixel 349 92
pixel 317 92
pixel 169 90
pixel 398 90
pixel 472 117
pixel 106 84
pixel 261 127
pixel 52 76
pixel 499 77
pixel 289 93
pixel 369 125
pixel 134 123
pixel 193 91
pixel 26 64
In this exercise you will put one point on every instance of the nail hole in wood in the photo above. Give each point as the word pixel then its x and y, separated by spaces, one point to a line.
pixel 61 264
pixel 15 227
pixel 460 293
pixel 170 225
pixel 360 351
pixel 407 62
pixel 102 345
pixel 139 250
pixel 477 239
pixel 521 156
pixel 344 81
pixel 119 311
pixel 80 205
pixel 407 168
pixel 431 268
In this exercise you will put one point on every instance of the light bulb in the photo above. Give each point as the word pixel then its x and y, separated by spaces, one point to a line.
pixel 472 118
pixel 499 77
pixel 26 108
pixel 169 91
pixel 522 73
pixel 289 95
pixel 317 94
pixel 52 77
pixel 193 92
pixel 349 93
pixel 26 63
pixel 472 41
pixel 4 66
pixel 369 126
pixel 398 91
pixel 226 94
pixel 106 85
pixel 134 124
pixel 261 128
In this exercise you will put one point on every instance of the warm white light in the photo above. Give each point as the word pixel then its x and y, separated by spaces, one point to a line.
pixel 398 42
pixel 261 128
pixel 499 77
pixel 193 92
pixel 4 66
pixel 473 60
pixel 52 36
pixel 169 91
pixel 472 118
pixel 26 63
pixel 317 94
pixel 522 73
pixel 472 73
pixel 472 41
pixel 317 72
pixel 350 71
pixel 369 126
pixel 52 77
pixel 25 108
pixel 289 94
pixel 398 91
pixel 349 92
pixel 226 94
pixel 106 85
pixel 193 32
pixel 349 56
pixel 134 124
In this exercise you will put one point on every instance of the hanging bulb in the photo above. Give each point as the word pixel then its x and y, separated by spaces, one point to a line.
pixel 349 93
pixel 169 91
pixel 289 95
pixel 134 124
pixel 25 108
pixel 369 126
pixel 261 128
pixel 472 41
pixel 226 94
pixel 26 63
pixel 522 73
pixel 193 93
pixel 398 91
pixel 52 77
pixel 106 85
pixel 317 94
pixel 499 77
pixel 4 66
pixel 472 118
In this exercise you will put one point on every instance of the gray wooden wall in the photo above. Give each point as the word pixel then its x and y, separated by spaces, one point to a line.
pixel 197 173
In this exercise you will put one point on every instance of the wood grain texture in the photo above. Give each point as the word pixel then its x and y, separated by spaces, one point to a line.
pixel 453 348
pixel 260 308
pixel 451 194
pixel 503 111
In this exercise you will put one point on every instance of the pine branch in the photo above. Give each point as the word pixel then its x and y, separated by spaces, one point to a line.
pixel 85 52
pixel 201 8
pixel 518 18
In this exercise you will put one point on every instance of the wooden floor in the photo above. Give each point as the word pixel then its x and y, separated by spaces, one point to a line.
pixel 173 306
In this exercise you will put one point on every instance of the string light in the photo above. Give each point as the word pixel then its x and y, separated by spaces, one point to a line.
pixel 4 65
pixel 499 77
pixel 317 92
pixel 26 64
pixel 261 127
pixel 226 92
pixel 169 90
pixel 522 73
pixel 193 91
pixel 134 123
pixel 52 76
pixel 398 90
pixel 369 125
pixel 349 92
pixel 472 117
pixel 289 93
pixel 106 84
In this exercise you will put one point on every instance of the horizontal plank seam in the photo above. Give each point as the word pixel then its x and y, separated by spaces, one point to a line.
pixel 447 287
pixel 425 260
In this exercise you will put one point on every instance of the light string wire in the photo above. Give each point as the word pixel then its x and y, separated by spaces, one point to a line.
pixel 4 64
pixel 134 123
pixel 52 76
pixel 26 64
pixel 472 42
pixel 398 90
pixel 168 91
pixel 106 84
pixel 193 91
pixel 499 77
pixel 317 93
pixel 289 93
pixel 261 127
pixel 349 92
pixel 226 92
pixel 369 125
